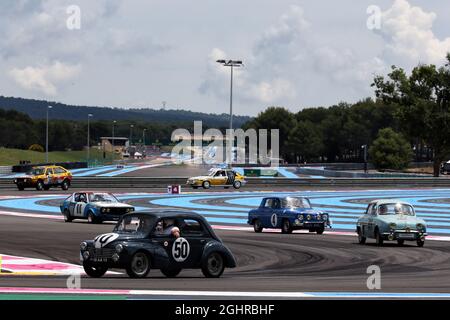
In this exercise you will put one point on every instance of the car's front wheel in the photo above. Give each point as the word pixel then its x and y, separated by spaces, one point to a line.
pixel 361 238
pixel 171 273
pixel 67 217
pixel 257 226
pixel 213 265
pixel 92 218
pixel 139 265
pixel 94 271
pixel 236 184
pixel 206 184
pixel 420 242
pixel 286 226
pixel 320 230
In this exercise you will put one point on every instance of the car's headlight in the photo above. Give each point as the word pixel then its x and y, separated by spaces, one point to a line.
pixel 319 217
pixel 119 248
pixel 83 245
pixel 324 216
pixel 420 227
pixel 300 217
pixel 392 225
pixel 103 210
pixel 308 217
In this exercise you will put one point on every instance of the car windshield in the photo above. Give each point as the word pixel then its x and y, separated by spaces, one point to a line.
pixel 36 172
pixel 395 208
pixel 295 202
pixel 135 225
pixel 102 197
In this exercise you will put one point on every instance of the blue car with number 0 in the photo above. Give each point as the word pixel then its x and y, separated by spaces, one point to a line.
pixel 288 213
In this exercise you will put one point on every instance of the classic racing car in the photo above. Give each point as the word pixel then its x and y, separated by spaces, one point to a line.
pixel 288 213
pixel 218 177
pixel 166 240
pixel 391 220
pixel 96 207
pixel 42 178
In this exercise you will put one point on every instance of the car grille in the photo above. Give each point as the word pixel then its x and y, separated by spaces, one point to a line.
pixel 101 253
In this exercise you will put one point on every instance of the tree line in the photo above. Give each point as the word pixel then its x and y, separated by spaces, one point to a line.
pixel 408 120
pixel 18 130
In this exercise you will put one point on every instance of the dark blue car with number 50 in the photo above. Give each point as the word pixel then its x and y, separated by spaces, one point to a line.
pixel 288 213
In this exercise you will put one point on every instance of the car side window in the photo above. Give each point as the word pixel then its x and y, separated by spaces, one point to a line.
pixel 82 197
pixel 76 197
pixel 59 171
pixel 268 203
pixel 373 211
pixel 190 227
pixel 369 209
pixel 49 171
pixel 276 204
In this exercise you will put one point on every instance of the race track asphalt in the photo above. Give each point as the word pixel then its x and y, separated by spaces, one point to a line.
pixel 266 262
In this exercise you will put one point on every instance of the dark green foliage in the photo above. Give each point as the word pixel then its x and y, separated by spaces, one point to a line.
pixel 390 150
pixel 36 109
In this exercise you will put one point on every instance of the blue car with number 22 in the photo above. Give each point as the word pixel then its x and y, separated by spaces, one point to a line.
pixel 288 213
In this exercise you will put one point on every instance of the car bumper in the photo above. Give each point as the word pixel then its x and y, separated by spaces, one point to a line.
pixel 309 224
pixel 194 183
pixel 404 235
pixel 110 217
pixel 25 183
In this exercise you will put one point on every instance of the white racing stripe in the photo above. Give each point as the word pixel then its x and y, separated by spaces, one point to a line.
pixel 255 294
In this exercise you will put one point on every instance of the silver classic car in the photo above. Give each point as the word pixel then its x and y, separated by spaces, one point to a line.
pixel 391 220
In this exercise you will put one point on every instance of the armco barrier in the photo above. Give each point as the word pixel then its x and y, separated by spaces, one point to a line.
pixel 163 182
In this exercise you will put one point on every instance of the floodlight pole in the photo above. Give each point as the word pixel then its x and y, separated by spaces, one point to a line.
pixel 231 64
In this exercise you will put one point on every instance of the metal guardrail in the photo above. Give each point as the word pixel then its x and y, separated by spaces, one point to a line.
pixel 163 182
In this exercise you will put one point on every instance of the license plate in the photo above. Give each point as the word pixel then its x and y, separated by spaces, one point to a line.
pixel 407 235
pixel 100 260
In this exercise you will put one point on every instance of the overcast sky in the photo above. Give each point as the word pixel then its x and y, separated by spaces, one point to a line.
pixel 138 53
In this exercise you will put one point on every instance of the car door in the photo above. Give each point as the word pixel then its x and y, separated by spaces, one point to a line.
pixel 364 220
pixel 185 251
pixel 219 179
pixel 80 203
pixel 371 221
pixel 48 177
pixel 59 175
pixel 275 215
pixel 196 235
pixel 265 211
pixel 231 176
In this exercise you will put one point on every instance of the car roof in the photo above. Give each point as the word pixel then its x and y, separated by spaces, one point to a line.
pixel 284 197
pixel 163 213
pixel 386 201
pixel 49 166
pixel 173 213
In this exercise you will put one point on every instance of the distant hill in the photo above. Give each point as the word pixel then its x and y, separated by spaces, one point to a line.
pixel 36 109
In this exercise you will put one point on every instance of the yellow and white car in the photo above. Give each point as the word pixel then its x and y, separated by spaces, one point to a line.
pixel 218 177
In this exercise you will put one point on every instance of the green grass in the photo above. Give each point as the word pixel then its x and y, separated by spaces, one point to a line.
pixel 10 157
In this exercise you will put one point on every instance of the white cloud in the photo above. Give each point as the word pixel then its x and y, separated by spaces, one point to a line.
pixel 288 62
pixel 407 31
pixel 44 79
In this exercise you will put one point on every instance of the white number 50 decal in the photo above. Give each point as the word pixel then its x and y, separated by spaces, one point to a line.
pixel 180 249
